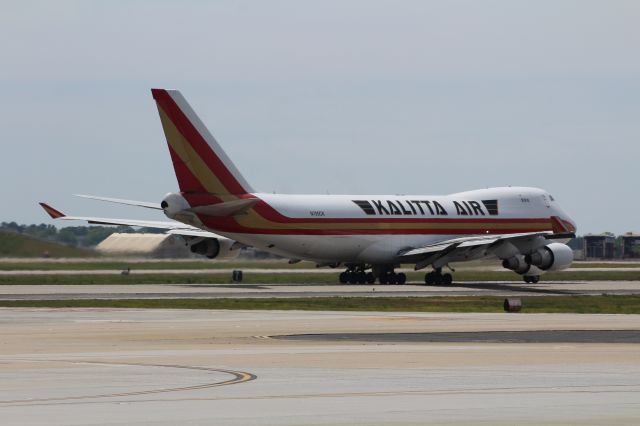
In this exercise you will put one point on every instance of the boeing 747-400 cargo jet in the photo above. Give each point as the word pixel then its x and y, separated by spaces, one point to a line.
pixel 217 212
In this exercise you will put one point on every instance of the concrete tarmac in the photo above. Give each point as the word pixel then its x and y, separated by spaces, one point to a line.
pixel 168 367
pixel 198 291
pixel 527 336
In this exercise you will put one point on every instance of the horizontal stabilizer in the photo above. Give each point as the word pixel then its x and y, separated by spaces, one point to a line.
pixel 229 208
pixel 144 204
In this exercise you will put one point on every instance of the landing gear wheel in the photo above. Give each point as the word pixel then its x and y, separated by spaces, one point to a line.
pixel 391 278
pixel 353 277
pixel 371 278
pixel 535 279
pixel 386 275
pixel 388 278
pixel 361 277
pixel 437 278
pixel 343 277
pixel 429 278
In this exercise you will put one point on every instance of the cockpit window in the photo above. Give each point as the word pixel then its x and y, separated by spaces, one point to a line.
pixel 551 197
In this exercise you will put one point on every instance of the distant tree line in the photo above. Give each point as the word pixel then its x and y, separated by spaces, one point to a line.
pixel 78 236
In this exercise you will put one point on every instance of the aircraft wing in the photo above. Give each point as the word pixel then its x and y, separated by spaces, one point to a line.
pixel 172 227
pixel 475 247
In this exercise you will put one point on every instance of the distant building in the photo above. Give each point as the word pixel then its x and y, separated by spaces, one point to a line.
pixel 600 246
pixel 630 246
pixel 578 254
pixel 149 245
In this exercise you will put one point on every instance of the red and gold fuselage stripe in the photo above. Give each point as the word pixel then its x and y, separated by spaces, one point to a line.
pixel 264 219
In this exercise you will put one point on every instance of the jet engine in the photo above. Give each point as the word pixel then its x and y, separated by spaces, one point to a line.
pixel 214 248
pixel 517 264
pixel 552 257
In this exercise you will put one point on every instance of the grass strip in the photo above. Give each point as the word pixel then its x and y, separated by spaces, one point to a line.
pixel 631 264
pixel 541 304
pixel 306 278
pixel 136 279
pixel 119 265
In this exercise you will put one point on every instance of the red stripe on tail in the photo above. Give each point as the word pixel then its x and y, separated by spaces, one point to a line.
pixel 197 141
pixel 186 180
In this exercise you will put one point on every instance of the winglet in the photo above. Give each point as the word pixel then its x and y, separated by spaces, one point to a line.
pixel 55 214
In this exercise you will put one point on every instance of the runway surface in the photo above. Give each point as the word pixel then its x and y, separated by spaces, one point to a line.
pixel 206 291
pixel 168 367
pixel 530 336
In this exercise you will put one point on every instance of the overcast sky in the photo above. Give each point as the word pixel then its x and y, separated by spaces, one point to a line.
pixel 372 97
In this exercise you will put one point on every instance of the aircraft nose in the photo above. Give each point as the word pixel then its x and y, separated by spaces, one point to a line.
pixel 567 224
pixel 570 224
pixel 563 224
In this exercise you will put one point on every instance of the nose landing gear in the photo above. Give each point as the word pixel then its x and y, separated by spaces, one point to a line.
pixel 531 279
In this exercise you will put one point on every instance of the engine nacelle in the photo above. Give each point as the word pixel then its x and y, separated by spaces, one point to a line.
pixel 214 248
pixel 552 257
pixel 173 204
pixel 517 264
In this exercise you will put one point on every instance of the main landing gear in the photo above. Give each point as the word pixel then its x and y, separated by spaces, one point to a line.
pixel 531 279
pixel 358 275
pixel 438 278
pixel 392 278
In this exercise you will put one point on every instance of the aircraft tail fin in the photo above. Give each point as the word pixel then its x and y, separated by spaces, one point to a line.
pixel 198 160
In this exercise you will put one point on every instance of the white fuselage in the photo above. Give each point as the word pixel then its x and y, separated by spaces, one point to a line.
pixel 376 228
